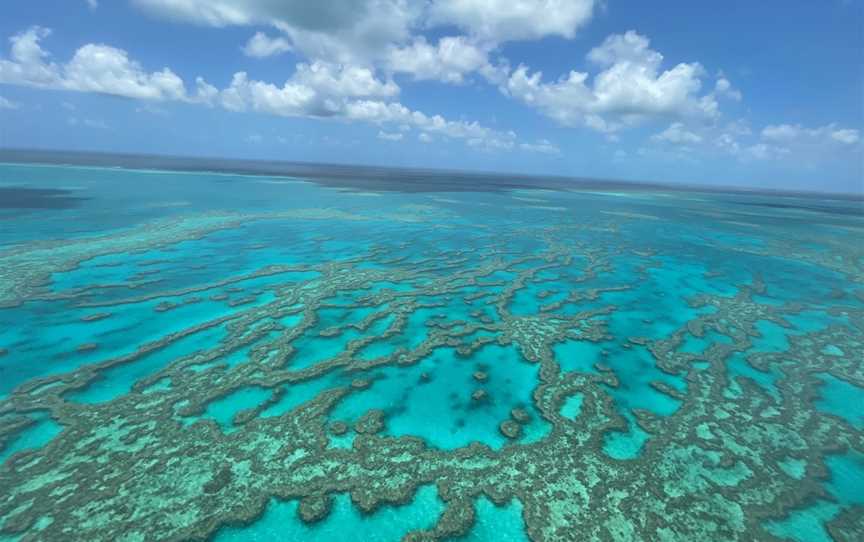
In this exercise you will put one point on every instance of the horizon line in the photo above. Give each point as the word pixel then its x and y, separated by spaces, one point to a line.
pixel 491 174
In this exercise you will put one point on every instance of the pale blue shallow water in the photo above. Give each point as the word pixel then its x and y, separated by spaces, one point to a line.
pixel 345 523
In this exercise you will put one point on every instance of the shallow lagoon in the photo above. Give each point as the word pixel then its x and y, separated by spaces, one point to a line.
pixel 256 358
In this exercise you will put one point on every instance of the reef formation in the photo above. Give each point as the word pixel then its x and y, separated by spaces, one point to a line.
pixel 617 389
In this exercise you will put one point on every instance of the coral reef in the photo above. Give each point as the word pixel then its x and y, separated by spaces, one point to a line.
pixel 152 462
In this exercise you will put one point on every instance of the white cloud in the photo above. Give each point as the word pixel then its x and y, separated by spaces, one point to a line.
pixel 7 104
pixel 761 151
pixel 738 127
pixel 424 137
pixel 473 133
pixel 396 136
pixel 289 100
pixel 504 20
pixel 28 63
pixel 107 70
pixel 351 93
pixel 542 146
pixel 491 144
pixel 93 68
pixel 789 143
pixel 93 4
pixel 727 143
pixel 333 30
pixel 355 30
pixel 316 89
pixel 319 89
pixel 829 133
pixel 449 61
pixel 386 33
pixel 205 93
pixel 724 88
pixel 629 88
pixel 846 135
pixel 261 45
pixel 782 132
pixel 220 13
pixel 343 80
pixel 254 139
pixel 676 133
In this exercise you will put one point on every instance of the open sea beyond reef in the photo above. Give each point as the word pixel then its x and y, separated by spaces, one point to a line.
pixel 249 351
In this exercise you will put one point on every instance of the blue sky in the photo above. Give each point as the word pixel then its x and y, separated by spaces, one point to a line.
pixel 740 93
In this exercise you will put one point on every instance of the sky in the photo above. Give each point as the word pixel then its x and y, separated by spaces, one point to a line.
pixel 762 94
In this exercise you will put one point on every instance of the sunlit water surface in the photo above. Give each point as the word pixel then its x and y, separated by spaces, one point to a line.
pixel 235 357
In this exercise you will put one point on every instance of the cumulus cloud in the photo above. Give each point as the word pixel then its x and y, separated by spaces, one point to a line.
pixel 505 20
pixel 449 61
pixel 761 151
pixel 317 89
pixel 726 143
pixel 725 89
pixel 830 133
pixel 792 143
pixel 93 68
pixel 542 146
pixel 107 70
pixel 629 88
pixel 334 30
pixel 205 93
pixel 394 113
pixel 343 80
pixel 355 47
pixel 781 132
pixel 846 135
pixel 261 45
pixel 28 63
pixel 358 27
pixel 220 13
pixel 676 133
pixel 7 104
pixel 387 136
pixel 386 34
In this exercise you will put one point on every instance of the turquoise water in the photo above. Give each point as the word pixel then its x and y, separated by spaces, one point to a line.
pixel 344 522
pixel 842 399
pixel 845 482
pixel 201 347
pixel 32 437
pixel 442 410
pixel 494 522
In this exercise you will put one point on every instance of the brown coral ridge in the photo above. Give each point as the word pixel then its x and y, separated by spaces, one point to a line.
pixel 96 317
